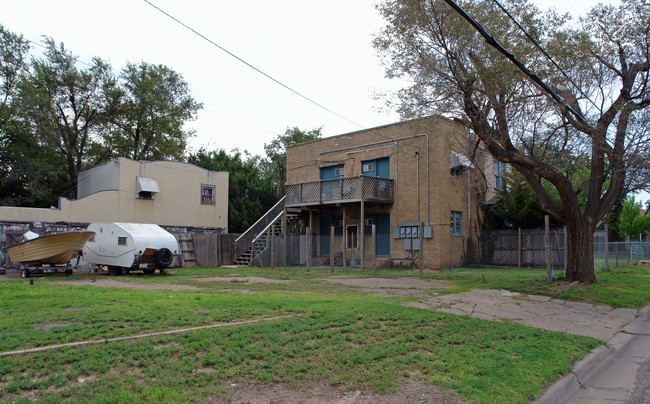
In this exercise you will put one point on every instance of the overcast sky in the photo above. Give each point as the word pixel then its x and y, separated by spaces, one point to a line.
pixel 320 49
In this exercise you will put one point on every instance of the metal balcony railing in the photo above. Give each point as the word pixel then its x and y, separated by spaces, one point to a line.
pixel 369 189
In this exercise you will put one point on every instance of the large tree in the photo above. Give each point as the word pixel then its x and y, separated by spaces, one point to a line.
pixel 456 72
pixel 250 194
pixel 154 104
pixel 65 108
pixel 274 166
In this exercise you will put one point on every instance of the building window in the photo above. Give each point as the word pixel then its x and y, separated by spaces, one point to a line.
pixel 499 174
pixel 456 223
pixel 368 167
pixel 352 232
pixel 146 188
pixel 207 194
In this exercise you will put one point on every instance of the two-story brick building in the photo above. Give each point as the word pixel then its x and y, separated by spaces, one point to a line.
pixel 419 182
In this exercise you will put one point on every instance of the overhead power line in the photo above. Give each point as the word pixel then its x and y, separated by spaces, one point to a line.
pixel 493 42
pixel 544 52
pixel 251 66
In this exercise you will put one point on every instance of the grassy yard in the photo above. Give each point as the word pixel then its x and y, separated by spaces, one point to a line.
pixel 334 334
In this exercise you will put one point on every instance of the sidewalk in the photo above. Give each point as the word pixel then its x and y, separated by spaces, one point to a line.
pixel 618 372
pixel 615 373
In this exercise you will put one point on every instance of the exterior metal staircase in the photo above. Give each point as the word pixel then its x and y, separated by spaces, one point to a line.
pixel 256 239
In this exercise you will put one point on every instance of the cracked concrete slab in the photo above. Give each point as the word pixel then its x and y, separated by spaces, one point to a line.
pixel 596 321
pixel 613 373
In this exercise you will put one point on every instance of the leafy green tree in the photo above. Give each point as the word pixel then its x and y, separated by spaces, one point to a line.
pixel 13 64
pixel 64 107
pixel 457 73
pixel 632 222
pixel 516 207
pixel 274 165
pixel 154 104
pixel 250 195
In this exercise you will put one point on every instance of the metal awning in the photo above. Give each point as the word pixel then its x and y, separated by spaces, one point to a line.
pixel 457 159
pixel 145 184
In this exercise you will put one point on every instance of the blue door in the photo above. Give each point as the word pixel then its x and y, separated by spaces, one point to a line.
pixel 382 232
pixel 325 224
pixel 329 182
pixel 324 235
pixel 376 168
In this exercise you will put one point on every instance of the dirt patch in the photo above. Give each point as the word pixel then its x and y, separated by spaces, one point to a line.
pixel 49 326
pixel 387 292
pixel 567 285
pixel 411 392
pixel 394 283
pixel 75 308
pixel 109 283
pixel 242 279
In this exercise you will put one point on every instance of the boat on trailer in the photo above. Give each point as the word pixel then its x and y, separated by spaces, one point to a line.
pixel 49 251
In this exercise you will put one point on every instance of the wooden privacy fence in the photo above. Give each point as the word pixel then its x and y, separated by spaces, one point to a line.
pixel 521 248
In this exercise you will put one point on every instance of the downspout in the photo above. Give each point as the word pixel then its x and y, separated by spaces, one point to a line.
pixel 395 195
pixel 428 189
pixel 417 185
pixel 469 193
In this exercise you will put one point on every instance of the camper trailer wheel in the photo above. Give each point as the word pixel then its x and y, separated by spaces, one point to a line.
pixel 114 271
pixel 164 257
pixel 25 273
pixel 68 271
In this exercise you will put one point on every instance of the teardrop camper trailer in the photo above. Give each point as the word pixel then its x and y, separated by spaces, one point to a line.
pixel 124 247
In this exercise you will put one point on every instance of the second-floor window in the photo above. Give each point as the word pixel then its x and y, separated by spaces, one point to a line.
pixel 499 175
pixel 456 223
pixel 207 194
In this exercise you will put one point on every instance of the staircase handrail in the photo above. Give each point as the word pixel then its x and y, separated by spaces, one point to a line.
pixel 268 226
pixel 243 241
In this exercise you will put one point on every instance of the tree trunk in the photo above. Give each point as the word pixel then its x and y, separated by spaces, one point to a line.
pixel 580 257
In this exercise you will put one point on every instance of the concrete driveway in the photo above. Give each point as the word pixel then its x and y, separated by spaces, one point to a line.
pixel 596 321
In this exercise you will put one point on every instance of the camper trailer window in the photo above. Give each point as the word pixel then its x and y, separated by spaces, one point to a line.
pixel 121 241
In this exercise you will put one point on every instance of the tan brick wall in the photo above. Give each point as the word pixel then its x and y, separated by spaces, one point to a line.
pixel 437 196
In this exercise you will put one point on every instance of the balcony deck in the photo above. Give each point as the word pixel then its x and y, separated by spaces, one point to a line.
pixel 340 190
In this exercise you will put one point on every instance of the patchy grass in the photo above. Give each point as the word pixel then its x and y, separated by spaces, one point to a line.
pixel 617 287
pixel 338 336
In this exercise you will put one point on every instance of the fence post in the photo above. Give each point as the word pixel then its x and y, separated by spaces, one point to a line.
pixel 307 248
pixel 566 249
pixel 374 251
pixel 345 238
pixel 547 241
pixel 332 249
pixel 362 230
pixel 519 249
pixel 606 246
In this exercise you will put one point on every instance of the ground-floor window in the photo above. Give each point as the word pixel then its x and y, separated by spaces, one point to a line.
pixel 456 223
pixel 352 232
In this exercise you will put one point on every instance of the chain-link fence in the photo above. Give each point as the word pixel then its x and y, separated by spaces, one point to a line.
pixel 618 254
pixel 511 249
pixel 317 250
